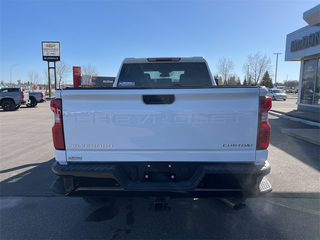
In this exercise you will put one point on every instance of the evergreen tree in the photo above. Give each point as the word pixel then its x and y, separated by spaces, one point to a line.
pixel 218 79
pixel 245 83
pixel 266 80
pixel 238 81
pixel 232 80
pixel 270 83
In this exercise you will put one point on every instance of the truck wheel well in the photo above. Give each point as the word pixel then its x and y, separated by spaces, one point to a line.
pixel 3 99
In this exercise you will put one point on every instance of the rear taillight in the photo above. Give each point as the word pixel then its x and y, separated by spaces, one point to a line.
pixel 42 95
pixel 264 127
pixel 57 129
pixel 22 95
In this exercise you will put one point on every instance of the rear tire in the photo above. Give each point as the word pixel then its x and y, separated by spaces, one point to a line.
pixel 8 105
pixel 93 200
pixel 273 98
pixel 284 99
pixel 33 102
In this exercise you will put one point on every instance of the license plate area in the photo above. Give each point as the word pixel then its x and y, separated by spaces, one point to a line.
pixel 159 177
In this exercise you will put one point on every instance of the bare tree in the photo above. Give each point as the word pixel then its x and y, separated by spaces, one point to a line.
pixel 62 70
pixel 87 71
pixel 257 65
pixel 45 77
pixel 33 78
pixel 225 67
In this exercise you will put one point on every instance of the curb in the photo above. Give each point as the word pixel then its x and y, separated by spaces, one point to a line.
pixel 294 119
pixel 313 136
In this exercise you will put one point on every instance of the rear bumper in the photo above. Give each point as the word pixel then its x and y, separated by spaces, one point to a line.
pixel 281 97
pixel 161 180
pixel 25 102
pixel 41 100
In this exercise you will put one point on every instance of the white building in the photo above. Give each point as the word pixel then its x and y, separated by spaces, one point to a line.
pixel 304 45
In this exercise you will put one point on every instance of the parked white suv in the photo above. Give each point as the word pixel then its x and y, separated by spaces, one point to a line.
pixel 277 94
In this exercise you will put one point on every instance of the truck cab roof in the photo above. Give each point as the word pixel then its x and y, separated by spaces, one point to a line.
pixel 164 59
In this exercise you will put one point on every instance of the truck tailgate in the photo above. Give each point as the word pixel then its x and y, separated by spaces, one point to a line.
pixel 200 125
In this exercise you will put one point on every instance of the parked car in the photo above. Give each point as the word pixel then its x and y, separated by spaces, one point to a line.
pixel 35 98
pixel 289 91
pixel 12 98
pixel 296 90
pixel 277 94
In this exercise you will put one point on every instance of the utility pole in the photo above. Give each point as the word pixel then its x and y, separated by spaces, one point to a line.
pixel 248 74
pixel 276 67
pixel 11 73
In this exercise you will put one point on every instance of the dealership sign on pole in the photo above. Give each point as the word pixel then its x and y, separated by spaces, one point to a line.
pixel 51 51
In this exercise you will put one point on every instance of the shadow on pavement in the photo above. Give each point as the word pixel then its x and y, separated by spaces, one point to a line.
pixel 301 150
pixel 32 182
pixel 19 167
pixel 278 216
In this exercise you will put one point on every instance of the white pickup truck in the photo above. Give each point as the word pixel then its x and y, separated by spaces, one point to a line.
pixel 163 130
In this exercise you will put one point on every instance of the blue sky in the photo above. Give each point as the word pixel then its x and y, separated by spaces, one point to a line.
pixel 103 33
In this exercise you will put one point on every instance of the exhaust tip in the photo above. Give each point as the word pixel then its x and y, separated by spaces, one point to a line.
pixel 234 203
pixel 239 206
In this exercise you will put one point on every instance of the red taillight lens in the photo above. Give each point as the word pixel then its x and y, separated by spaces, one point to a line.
pixel 264 127
pixel 22 95
pixel 264 136
pixel 265 104
pixel 57 129
pixel 41 95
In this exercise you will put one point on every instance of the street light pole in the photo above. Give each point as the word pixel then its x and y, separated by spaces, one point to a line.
pixel 11 73
pixel 276 67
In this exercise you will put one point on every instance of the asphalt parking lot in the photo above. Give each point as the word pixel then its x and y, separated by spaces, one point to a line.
pixel 30 210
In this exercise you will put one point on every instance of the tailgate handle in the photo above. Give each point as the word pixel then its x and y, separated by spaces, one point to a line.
pixel 158 99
